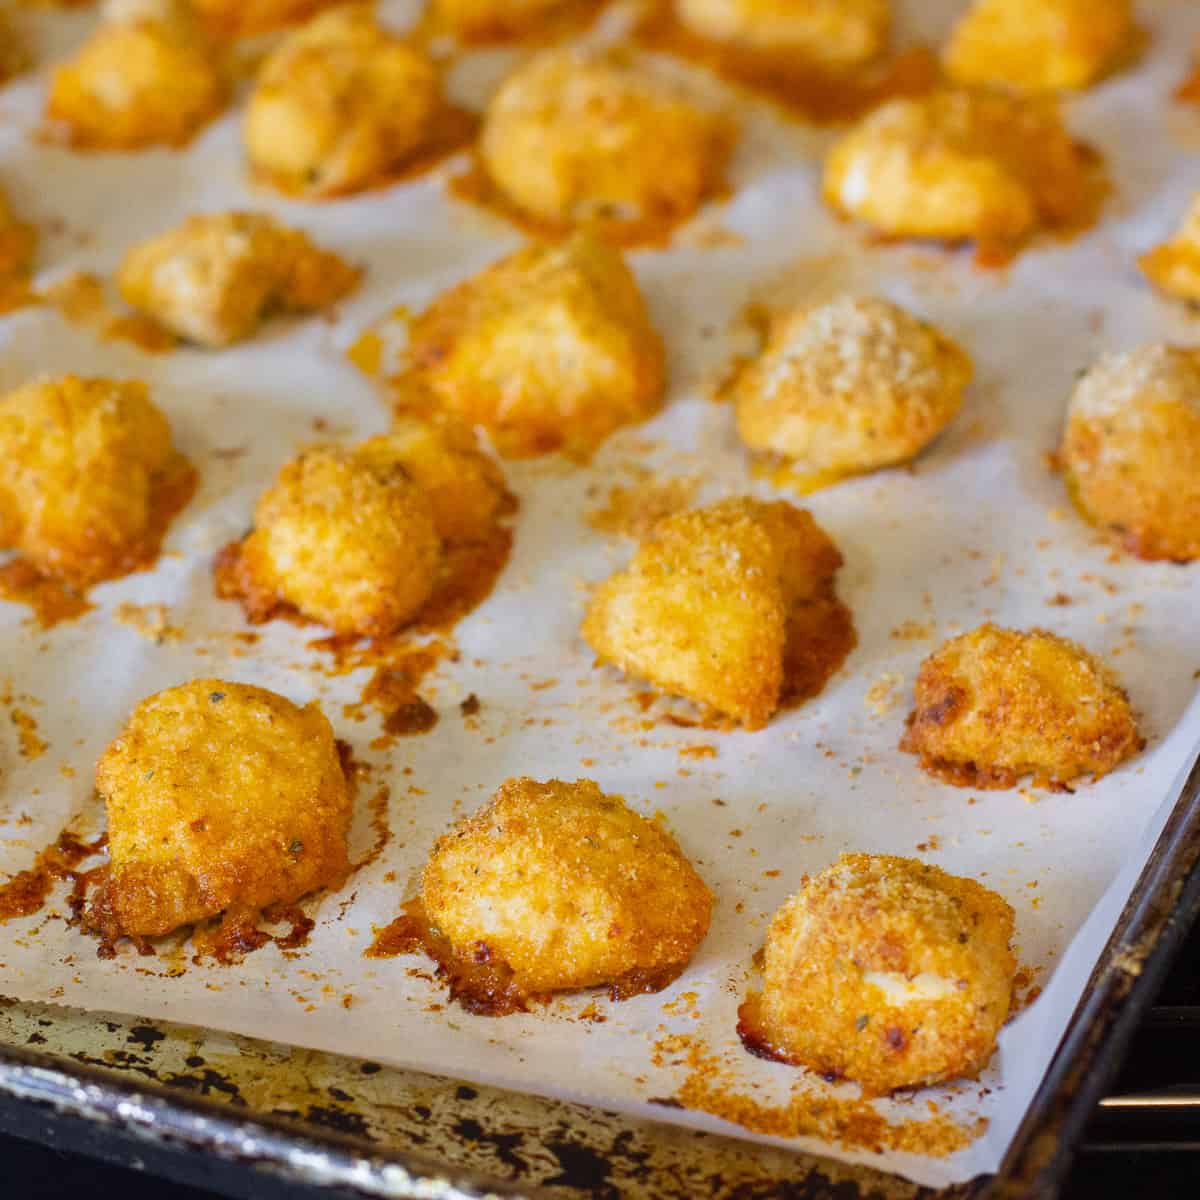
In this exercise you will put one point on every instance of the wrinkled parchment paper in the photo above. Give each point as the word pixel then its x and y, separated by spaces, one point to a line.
pixel 978 529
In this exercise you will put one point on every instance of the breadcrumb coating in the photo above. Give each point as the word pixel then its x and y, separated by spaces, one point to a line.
pixel 574 136
pixel 213 279
pixel 219 796
pixel 548 349
pixel 1131 450
pixel 1174 267
pixel 1040 45
pixel 995 705
pixel 568 888
pixel 888 972
pixel 89 477
pixel 850 385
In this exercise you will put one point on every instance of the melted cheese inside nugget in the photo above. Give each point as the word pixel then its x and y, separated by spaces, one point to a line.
pixel 219 796
pixel 997 704
pixel 959 165
pixel 348 540
pixel 338 106
pixel 885 971
pixel 549 349
pixel 848 386
pixel 89 478
pixel 1039 45
pixel 146 81
pixel 575 136
pixel 1174 267
pixel 1131 450
pixel 566 888
pixel 836 34
pixel 214 278
pixel 704 609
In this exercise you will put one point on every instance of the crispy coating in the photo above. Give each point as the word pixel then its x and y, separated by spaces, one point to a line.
pixel 146 81
pixel 89 477
pixel 836 34
pixel 702 610
pixel 339 105
pixel 889 972
pixel 213 279
pixel 568 887
pixel 347 538
pixel 497 20
pixel 994 705
pixel 1174 267
pixel 1131 450
pixel 959 164
pixel 220 796
pixel 548 349
pixel 573 136
pixel 850 385
pixel 245 18
pixel 18 241
pixel 1039 45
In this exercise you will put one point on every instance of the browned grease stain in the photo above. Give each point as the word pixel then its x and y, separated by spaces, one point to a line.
pixel 238 933
pixel 561 22
pixel 392 688
pixel 1188 91
pixel 80 298
pixel 820 636
pixel 26 892
pixel 52 601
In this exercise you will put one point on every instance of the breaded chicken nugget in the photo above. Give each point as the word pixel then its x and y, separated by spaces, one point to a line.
pixel 1131 450
pixel 885 971
pixel 18 241
pixel 89 478
pixel 959 164
pixel 573 136
pixel 245 18
pixel 566 888
pixel 501 20
pixel 835 34
pixel 548 349
pixel 348 540
pixel 1039 45
pixel 848 386
pixel 219 796
pixel 703 610
pixel 213 279
pixel 144 80
pixel 995 704
pixel 1174 267
pixel 338 106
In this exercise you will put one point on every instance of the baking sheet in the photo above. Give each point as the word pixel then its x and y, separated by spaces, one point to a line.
pixel 979 529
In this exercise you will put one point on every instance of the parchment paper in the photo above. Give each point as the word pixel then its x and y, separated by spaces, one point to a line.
pixel 978 529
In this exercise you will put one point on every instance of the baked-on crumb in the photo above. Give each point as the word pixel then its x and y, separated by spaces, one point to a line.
pixel 89 477
pixel 564 887
pixel 1130 451
pixel 1174 266
pixel 147 78
pixel 717 603
pixel 339 105
pixel 245 18
pixel 220 796
pixel 575 135
pixel 214 278
pixel 548 349
pixel 18 242
pixel 1040 45
pixel 995 705
pixel 482 21
pixel 885 971
pixel 848 386
pixel 959 165
pixel 835 34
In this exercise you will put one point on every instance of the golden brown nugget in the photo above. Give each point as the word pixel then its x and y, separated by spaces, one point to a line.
pixel 215 278
pixel 958 165
pixel 147 80
pixel 1174 267
pixel 836 34
pixel 703 609
pixel 559 887
pixel 220 796
pixel 245 18
pixel 481 21
pixel 574 136
pixel 848 386
pixel 1040 45
pixel 89 477
pixel 885 971
pixel 548 349
pixel 995 705
pixel 340 104
pixel 1130 451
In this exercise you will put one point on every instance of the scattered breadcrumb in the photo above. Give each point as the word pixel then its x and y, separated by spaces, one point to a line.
pixel 885 693
pixel 914 631
pixel 633 511
pixel 150 620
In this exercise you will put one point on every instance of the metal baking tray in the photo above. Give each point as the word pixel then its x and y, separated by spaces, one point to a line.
pixel 258 1119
